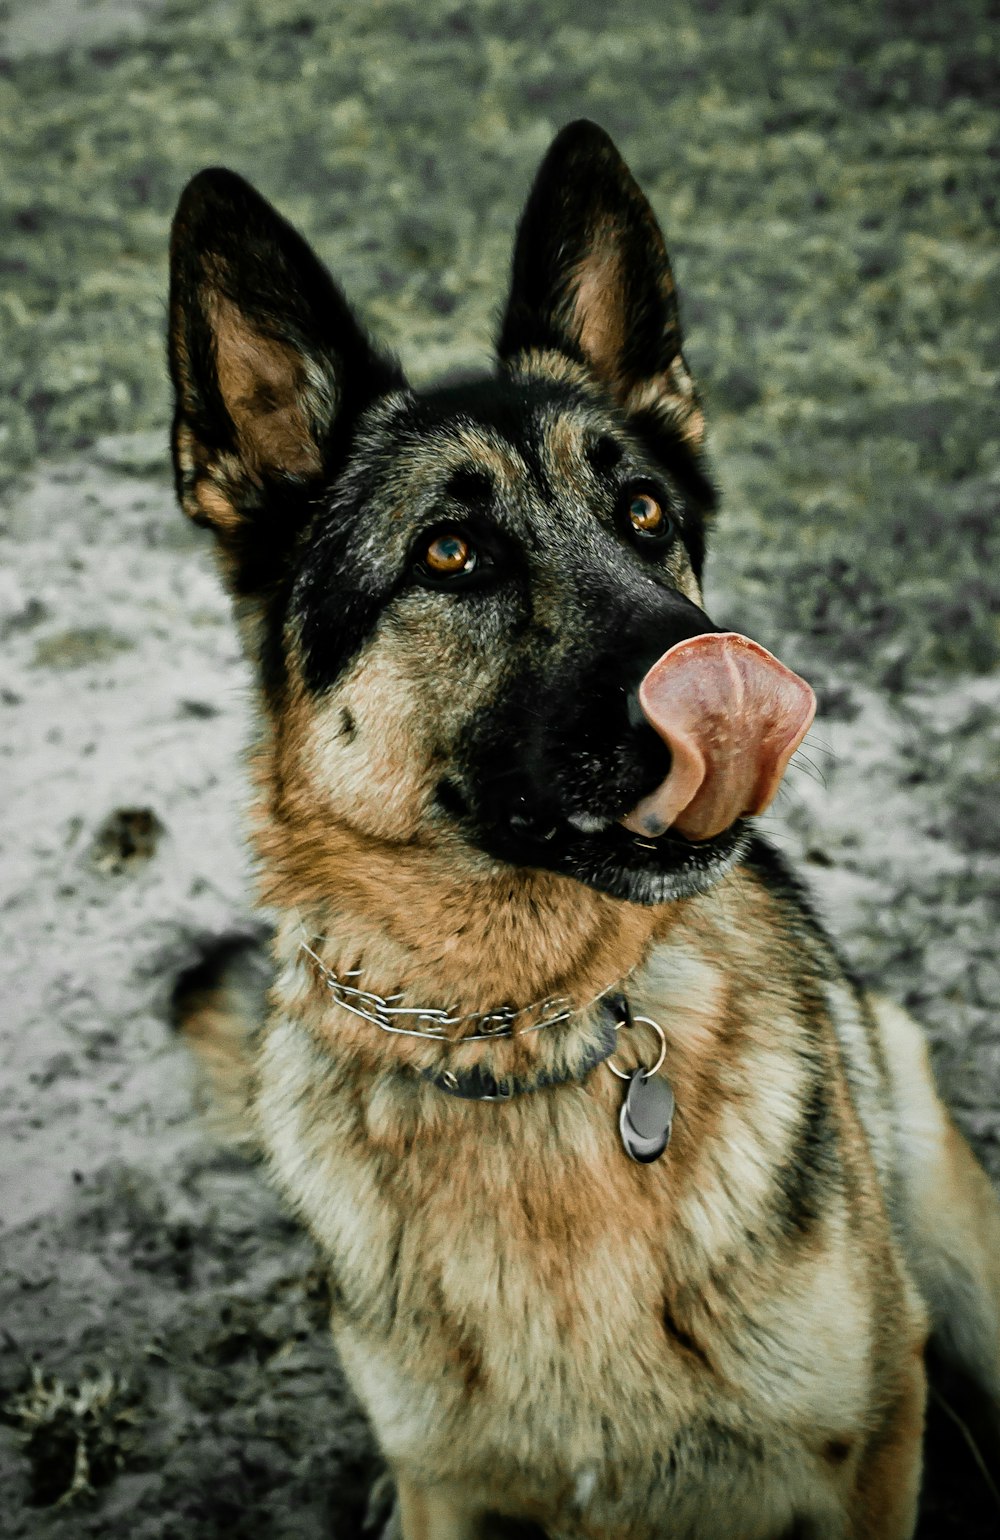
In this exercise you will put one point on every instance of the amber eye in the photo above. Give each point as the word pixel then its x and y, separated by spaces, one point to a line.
pixel 646 515
pixel 448 555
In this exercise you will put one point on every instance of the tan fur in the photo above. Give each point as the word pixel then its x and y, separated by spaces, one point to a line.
pixel 597 318
pixel 674 395
pixel 213 505
pixel 261 383
pixel 433 1515
pixel 949 1211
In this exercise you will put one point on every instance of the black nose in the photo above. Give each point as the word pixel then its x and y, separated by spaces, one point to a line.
pixel 674 619
pixel 569 739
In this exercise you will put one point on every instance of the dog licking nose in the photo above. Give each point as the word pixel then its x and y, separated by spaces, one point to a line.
pixel 732 716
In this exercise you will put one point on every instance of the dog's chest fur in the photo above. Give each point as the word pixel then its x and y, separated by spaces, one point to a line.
pixel 514 1297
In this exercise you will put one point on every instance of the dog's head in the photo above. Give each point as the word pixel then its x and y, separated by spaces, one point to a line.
pixel 454 595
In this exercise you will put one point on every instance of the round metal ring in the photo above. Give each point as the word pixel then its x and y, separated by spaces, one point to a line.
pixel 663 1050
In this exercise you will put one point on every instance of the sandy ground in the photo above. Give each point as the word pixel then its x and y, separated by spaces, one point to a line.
pixel 164 1369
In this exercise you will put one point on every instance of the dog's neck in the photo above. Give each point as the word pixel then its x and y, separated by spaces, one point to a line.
pixel 475 1050
pixel 447 930
pixel 515 957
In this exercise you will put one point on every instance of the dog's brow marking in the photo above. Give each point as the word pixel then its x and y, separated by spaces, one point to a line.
pixel 563 440
pixel 486 452
pixel 426 466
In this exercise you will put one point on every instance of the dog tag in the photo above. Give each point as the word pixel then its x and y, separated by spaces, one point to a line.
pixel 646 1116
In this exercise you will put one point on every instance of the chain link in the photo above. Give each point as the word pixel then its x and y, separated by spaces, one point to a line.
pixel 496 1024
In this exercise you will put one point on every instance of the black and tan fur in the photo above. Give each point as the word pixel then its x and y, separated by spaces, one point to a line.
pixel 729 1342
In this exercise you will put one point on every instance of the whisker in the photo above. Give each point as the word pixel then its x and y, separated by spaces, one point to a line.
pixel 800 761
pixel 816 742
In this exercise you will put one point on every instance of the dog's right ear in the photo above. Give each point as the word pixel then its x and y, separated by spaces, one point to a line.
pixel 270 369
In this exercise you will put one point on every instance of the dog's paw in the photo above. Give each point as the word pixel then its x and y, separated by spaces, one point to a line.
pixel 382 1514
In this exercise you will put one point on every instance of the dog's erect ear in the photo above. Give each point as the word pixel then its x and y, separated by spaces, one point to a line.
pixel 592 279
pixel 270 368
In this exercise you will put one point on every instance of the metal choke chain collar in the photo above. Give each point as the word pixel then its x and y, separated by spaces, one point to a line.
pixel 646 1115
pixel 385 1011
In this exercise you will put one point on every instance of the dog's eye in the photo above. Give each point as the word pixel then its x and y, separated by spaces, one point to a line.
pixel 449 554
pixel 646 515
pixel 648 518
pixel 448 557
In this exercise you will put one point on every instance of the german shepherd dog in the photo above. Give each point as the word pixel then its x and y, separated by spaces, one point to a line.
pixel 638 1214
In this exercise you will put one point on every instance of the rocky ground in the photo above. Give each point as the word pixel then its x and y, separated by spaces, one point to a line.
pixel 827 177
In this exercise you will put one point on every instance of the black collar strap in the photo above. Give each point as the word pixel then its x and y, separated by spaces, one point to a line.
pixel 479 1085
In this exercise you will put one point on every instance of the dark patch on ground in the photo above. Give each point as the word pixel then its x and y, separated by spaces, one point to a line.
pixel 127 837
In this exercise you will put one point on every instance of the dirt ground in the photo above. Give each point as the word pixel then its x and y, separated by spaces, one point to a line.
pixel 827 177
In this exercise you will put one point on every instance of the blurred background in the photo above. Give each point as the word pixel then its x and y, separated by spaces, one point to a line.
pixel 827 178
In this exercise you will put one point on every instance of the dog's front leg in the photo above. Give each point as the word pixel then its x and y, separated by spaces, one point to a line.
pixel 434 1513
pixel 888 1487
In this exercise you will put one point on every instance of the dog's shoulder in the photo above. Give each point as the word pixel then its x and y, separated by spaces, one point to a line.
pixel 840 997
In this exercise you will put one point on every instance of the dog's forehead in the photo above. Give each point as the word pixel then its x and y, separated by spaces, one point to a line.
pixel 513 445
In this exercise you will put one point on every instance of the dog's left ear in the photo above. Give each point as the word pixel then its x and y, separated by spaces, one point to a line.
pixel 592 280
pixel 271 371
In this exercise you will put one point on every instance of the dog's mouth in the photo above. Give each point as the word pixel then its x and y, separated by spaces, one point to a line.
pixel 614 860
pixel 731 716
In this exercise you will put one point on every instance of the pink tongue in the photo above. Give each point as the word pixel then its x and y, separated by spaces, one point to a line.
pixel 732 716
